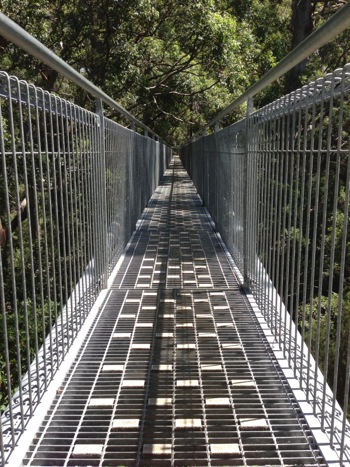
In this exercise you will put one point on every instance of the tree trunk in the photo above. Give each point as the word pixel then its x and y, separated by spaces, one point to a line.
pixel 301 26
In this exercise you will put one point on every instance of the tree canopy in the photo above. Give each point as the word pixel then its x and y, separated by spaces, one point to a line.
pixel 173 64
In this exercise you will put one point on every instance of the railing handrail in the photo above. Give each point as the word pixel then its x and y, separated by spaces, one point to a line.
pixel 325 33
pixel 16 34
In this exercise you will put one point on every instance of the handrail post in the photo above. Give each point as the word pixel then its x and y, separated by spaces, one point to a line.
pixel 247 205
pixel 216 212
pixel 100 223
pixel 202 194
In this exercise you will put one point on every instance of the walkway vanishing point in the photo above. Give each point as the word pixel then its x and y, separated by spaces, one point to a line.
pixel 176 369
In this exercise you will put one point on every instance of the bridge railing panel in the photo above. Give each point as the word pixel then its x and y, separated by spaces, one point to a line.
pixel 72 187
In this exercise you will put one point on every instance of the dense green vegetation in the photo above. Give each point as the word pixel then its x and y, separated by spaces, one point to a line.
pixel 172 63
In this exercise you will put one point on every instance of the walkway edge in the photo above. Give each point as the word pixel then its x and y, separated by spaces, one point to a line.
pixel 320 436
pixel 24 442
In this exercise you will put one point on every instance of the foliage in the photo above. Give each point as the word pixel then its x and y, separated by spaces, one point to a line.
pixel 174 64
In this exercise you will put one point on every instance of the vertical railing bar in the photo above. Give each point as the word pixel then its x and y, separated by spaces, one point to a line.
pixel 117 164
pixel 57 256
pixel 294 224
pixel 69 171
pixel 274 220
pixel 21 242
pixel 306 254
pixel 266 152
pixel 2 288
pixel 77 200
pixel 253 197
pixel 75 195
pixel 96 187
pixel 261 174
pixel 260 210
pixel 98 224
pixel 99 228
pixel 279 196
pixel 11 245
pixel 62 216
pixel 109 251
pixel 112 160
pixel 97 140
pixel 90 197
pixel 89 194
pixel 215 188
pixel 250 109
pixel 263 209
pixel 65 196
pixel 129 162
pixel 38 230
pixel 273 216
pixel 269 214
pixel 86 208
pixel 83 203
pixel 263 218
pixel 322 249
pixel 299 215
pixel 44 220
pixel 332 258
pixel 268 218
pixel 45 94
pixel 289 227
pixel 102 192
pixel 314 249
pixel 73 245
pixel 250 199
pixel 283 292
pixel 242 200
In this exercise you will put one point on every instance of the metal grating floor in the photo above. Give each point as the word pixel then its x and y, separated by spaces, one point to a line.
pixel 176 371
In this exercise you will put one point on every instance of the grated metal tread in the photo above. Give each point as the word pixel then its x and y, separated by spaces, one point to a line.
pixel 177 371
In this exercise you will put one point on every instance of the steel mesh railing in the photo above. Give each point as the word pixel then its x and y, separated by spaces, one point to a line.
pixel 277 186
pixel 72 186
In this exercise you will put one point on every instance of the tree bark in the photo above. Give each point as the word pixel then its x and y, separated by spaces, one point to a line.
pixel 301 26
pixel 21 216
pixel 3 235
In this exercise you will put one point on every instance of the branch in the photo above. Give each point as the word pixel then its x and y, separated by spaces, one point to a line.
pixel 190 94
pixel 3 235
pixel 22 215
pixel 171 115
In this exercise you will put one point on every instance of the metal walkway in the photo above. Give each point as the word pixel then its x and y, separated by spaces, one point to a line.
pixel 176 369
